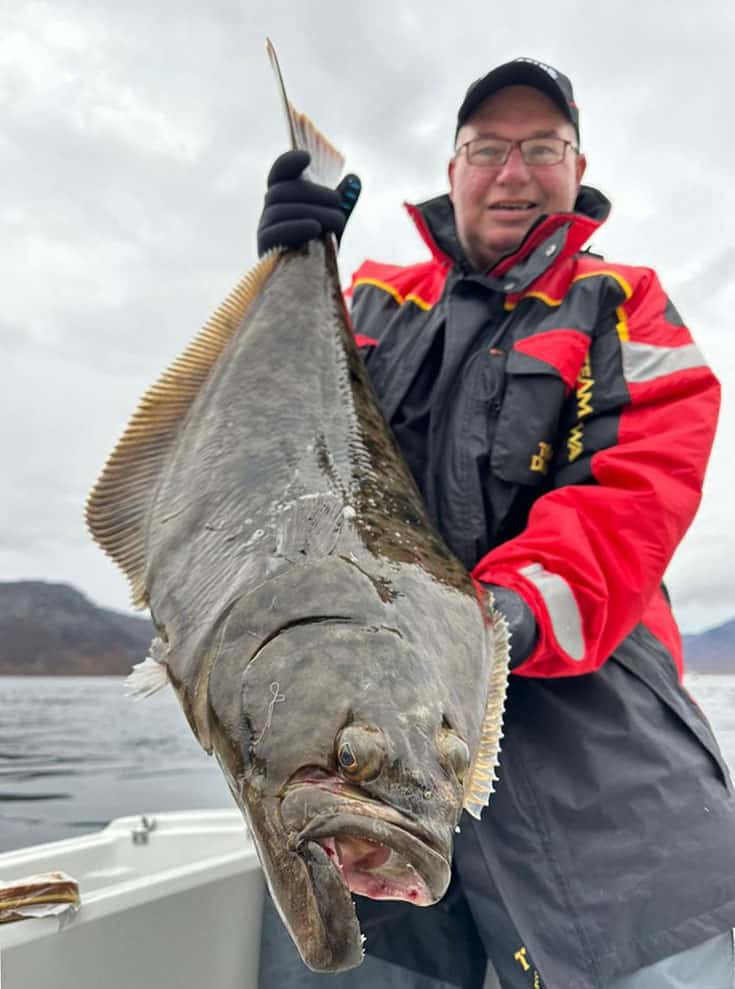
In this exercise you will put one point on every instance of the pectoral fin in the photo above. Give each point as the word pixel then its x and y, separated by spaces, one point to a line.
pixel 482 777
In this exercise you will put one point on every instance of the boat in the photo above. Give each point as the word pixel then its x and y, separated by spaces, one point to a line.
pixel 170 900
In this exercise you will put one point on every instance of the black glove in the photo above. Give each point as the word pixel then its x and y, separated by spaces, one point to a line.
pixel 521 622
pixel 297 210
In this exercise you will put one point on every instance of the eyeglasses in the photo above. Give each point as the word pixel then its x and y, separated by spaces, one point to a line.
pixel 491 152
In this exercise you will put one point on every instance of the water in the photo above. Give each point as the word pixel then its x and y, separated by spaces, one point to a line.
pixel 77 752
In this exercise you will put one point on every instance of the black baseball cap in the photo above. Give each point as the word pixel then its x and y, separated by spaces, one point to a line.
pixel 522 72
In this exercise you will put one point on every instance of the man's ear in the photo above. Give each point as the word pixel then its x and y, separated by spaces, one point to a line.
pixel 581 168
pixel 450 175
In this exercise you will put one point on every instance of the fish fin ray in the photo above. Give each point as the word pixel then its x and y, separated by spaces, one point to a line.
pixel 482 776
pixel 147 678
pixel 118 506
pixel 326 161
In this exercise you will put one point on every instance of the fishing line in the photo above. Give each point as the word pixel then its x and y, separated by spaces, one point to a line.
pixel 276 698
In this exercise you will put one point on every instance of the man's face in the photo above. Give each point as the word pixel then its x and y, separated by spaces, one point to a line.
pixel 486 229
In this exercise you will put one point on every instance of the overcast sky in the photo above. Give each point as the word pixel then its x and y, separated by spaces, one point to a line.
pixel 134 144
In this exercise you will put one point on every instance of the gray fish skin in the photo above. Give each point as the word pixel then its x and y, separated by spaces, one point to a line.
pixel 301 590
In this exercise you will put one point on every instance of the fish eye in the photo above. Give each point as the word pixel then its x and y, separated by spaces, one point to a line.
pixel 346 756
pixel 360 753
pixel 455 752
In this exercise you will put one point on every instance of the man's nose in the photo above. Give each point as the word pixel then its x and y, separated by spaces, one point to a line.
pixel 515 167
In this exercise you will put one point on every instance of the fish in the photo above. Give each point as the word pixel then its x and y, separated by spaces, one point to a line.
pixel 324 643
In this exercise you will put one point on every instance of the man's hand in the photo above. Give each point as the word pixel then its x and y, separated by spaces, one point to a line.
pixel 297 210
pixel 521 623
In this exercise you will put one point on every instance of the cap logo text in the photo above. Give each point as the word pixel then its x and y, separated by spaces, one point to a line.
pixel 547 68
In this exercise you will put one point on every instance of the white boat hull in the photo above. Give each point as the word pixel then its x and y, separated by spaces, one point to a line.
pixel 178 906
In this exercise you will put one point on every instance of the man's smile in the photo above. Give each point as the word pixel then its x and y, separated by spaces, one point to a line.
pixel 513 204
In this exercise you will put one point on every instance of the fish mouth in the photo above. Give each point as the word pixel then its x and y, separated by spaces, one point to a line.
pixel 379 860
pixel 375 850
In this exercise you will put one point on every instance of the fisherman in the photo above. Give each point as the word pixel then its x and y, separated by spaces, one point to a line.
pixel 557 418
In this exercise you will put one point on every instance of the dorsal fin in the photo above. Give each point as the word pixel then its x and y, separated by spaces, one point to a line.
pixel 118 506
pixel 481 778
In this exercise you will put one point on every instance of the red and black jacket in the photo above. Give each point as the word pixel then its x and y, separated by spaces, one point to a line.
pixel 558 418
pixel 604 428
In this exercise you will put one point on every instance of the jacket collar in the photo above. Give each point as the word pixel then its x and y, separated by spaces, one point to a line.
pixel 559 235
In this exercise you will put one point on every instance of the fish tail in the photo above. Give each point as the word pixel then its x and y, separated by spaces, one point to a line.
pixel 326 162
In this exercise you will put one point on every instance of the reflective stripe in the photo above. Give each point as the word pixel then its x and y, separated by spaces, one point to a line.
pixel 646 361
pixel 563 611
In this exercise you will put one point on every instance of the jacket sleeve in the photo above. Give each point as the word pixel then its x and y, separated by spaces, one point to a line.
pixel 627 483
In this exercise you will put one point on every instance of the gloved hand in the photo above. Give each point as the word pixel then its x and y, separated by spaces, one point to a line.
pixel 297 210
pixel 521 622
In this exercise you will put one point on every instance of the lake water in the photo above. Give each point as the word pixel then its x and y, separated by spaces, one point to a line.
pixel 77 752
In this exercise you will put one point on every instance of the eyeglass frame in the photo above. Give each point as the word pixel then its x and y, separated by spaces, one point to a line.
pixel 516 144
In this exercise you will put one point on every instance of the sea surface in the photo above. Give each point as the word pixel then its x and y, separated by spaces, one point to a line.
pixel 76 752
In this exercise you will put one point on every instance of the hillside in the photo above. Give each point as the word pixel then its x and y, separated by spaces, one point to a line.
pixel 53 630
pixel 712 651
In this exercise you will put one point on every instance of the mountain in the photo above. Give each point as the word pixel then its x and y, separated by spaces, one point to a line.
pixel 712 651
pixel 53 630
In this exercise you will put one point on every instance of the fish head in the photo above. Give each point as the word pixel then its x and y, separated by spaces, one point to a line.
pixel 347 757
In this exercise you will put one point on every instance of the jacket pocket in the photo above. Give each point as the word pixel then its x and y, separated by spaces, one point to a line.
pixel 483 378
pixel 528 422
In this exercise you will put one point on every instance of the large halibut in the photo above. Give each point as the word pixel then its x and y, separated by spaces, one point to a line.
pixel 323 642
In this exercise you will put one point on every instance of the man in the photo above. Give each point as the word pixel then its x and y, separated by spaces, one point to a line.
pixel 557 418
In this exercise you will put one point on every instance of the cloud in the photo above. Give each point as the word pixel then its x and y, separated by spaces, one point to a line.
pixel 134 146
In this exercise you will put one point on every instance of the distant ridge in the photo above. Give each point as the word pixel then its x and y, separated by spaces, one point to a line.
pixel 712 651
pixel 53 630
